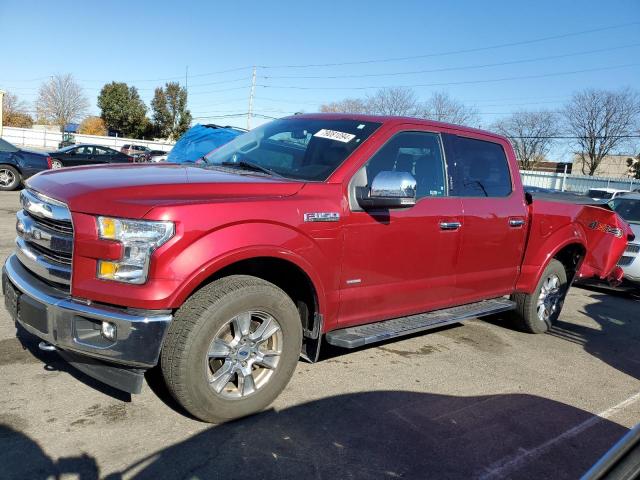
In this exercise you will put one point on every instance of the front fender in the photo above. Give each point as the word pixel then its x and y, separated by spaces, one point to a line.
pixel 222 247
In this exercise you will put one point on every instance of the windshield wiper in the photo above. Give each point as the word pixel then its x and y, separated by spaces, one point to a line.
pixel 246 165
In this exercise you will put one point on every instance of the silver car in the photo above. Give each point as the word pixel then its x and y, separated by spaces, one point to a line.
pixel 628 207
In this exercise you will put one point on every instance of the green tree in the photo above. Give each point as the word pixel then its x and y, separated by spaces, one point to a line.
pixel 170 114
pixel 634 166
pixel 122 109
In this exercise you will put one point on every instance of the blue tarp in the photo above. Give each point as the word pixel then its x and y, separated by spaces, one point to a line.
pixel 198 141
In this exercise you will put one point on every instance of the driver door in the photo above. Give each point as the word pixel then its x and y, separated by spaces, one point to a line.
pixel 399 262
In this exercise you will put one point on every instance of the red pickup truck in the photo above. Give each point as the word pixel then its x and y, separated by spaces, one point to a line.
pixel 344 229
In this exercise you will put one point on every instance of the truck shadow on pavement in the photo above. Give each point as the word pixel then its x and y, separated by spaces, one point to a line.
pixel 616 337
pixel 371 435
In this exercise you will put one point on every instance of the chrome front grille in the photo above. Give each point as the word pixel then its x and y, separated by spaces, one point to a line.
pixel 45 237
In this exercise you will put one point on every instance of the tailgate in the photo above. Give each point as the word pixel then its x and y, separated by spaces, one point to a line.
pixel 607 235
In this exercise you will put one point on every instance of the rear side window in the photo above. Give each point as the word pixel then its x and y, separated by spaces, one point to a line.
pixel 477 168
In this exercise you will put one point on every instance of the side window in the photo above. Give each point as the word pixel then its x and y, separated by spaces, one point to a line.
pixel 418 153
pixel 100 151
pixel 478 168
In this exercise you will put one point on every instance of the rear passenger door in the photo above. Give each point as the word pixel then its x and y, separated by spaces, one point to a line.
pixel 101 155
pixel 494 213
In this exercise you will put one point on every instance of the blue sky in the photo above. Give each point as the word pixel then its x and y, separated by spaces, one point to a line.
pixel 148 42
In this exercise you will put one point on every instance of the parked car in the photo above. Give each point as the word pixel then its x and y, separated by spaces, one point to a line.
pixel 628 207
pixel 326 228
pixel 85 154
pixel 135 150
pixel 605 193
pixel 200 140
pixel 16 165
pixel 157 156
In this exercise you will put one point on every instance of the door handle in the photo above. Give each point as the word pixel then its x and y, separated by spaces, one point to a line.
pixel 516 222
pixel 450 225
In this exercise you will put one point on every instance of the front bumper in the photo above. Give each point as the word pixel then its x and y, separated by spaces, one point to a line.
pixel 75 328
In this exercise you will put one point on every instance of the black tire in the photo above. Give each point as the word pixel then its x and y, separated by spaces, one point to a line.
pixel 15 174
pixel 196 324
pixel 525 316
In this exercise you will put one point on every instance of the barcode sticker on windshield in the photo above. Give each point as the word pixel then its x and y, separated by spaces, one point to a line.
pixel 335 135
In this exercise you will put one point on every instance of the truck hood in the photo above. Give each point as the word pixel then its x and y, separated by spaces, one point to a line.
pixel 132 190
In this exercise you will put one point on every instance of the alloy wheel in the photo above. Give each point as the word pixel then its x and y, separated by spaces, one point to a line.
pixel 549 298
pixel 7 177
pixel 244 355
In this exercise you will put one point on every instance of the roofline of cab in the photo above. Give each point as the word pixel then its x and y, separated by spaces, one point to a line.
pixel 392 120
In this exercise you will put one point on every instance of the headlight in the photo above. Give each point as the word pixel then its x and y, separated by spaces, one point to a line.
pixel 139 239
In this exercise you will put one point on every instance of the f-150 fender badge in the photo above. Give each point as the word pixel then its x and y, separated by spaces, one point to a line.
pixel 603 227
pixel 322 217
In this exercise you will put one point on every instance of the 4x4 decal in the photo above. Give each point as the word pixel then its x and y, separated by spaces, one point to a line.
pixel 603 227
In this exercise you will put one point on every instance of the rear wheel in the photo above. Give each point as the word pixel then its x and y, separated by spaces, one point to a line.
pixel 536 313
pixel 9 178
pixel 232 348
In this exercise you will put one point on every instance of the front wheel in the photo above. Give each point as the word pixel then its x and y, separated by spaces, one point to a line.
pixel 536 313
pixel 56 164
pixel 232 348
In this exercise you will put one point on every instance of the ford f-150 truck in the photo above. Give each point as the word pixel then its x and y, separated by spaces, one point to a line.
pixel 344 229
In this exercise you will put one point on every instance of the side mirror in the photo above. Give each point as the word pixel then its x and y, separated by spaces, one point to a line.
pixel 388 190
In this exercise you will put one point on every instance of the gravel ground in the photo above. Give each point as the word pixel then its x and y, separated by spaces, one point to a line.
pixel 473 400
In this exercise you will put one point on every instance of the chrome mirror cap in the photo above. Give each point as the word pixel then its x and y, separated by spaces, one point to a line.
pixel 394 184
pixel 389 190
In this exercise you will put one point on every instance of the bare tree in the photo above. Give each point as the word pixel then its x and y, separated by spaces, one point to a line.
pixel 530 134
pixel 15 112
pixel 442 108
pixel 602 122
pixel 61 100
pixel 386 101
pixel 11 104
pixel 393 101
pixel 348 105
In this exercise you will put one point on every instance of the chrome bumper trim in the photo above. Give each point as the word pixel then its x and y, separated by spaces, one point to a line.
pixel 139 337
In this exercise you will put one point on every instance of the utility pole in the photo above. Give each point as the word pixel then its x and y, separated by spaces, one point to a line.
pixel 1 104
pixel 251 93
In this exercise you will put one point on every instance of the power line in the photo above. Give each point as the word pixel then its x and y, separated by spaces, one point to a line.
pixel 465 82
pixel 456 52
pixel 449 69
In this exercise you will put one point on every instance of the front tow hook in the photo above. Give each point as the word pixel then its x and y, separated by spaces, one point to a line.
pixel 46 347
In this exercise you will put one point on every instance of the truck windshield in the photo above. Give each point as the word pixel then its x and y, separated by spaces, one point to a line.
pixel 301 148
pixel 627 208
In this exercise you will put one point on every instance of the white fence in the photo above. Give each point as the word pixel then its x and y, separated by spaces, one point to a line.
pixel 575 183
pixel 48 140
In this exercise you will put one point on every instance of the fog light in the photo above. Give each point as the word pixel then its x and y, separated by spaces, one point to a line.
pixel 108 331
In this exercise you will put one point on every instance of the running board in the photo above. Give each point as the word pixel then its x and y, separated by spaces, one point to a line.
pixel 354 337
